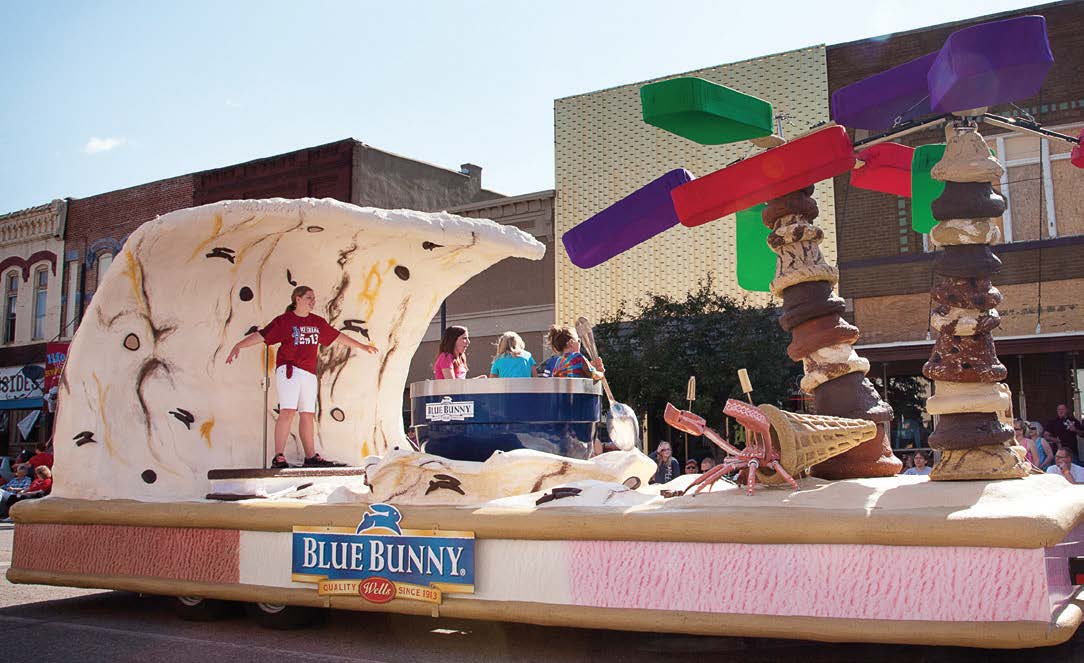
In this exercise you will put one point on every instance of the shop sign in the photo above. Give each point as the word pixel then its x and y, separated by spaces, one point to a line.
pixel 379 561
pixel 55 356
pixel 14 385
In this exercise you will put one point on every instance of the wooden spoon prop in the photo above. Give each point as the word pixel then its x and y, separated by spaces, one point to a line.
pixel 622 424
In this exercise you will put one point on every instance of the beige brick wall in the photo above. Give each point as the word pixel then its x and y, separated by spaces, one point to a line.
pixel 905 317
pixel 1062 308
pixel 892 318
pixel 604 151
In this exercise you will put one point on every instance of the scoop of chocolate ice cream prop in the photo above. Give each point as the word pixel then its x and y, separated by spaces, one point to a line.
pixel 621 423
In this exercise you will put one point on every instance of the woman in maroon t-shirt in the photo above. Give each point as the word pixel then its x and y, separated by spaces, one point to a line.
pixel 300 333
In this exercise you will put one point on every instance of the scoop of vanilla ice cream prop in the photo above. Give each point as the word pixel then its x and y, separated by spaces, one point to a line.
pixel 417 478
pixel 149 403
pixel 588 492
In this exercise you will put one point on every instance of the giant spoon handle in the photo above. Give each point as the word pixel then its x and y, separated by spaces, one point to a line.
pixel 587 338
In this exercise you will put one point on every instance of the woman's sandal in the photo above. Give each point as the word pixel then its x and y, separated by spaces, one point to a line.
pixel 279 462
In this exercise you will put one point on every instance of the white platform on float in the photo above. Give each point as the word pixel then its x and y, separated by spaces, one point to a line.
pixel 236 484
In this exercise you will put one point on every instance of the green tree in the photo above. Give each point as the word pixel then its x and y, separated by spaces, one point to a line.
pixel 653 347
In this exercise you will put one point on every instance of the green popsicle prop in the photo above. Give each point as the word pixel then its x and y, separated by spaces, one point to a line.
pixel 756 260
pixel 705 112
pixel 924 188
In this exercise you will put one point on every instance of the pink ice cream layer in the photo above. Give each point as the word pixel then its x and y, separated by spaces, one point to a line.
pixel 814 580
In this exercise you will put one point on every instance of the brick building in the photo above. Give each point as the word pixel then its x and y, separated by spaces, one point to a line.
pixel 346 170
pixel 31 259
pixel 98 226
pixel 885 267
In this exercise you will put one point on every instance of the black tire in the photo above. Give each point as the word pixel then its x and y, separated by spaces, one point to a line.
pixel 282 617
pixel 198 609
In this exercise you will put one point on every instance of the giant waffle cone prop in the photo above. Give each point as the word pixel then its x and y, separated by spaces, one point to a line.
pixel 805 440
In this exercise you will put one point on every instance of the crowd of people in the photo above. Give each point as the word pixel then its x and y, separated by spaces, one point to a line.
pixel 27 477
pixel 512 360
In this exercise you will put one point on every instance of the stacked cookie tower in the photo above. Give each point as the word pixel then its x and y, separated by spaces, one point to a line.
pixel 975 408
pixel 821 339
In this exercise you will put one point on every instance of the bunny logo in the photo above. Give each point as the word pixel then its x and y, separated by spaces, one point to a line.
pixel 381 519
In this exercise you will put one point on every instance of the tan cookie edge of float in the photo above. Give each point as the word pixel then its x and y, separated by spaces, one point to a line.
pixel 686 521
pixel 1014 634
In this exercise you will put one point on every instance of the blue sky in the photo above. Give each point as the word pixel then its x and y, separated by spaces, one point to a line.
pixel 98 96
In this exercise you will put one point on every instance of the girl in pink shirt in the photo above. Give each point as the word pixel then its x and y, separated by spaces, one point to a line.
pixel 451 363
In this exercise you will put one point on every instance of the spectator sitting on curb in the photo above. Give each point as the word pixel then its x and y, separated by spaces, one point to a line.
pixel 40 487
pixel 19 483
pixel 1064 465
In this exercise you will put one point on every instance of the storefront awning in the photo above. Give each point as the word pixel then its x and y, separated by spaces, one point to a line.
pixel 1006 345
pixel 21 404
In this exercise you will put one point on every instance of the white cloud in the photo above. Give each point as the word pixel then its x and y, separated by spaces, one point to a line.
pixel 230 103
pixel 96 145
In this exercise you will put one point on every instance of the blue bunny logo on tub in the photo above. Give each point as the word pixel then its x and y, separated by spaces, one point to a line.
pixel 381 561
pixel 449 410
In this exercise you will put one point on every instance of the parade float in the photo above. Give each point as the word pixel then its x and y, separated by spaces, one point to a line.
pixel 507 512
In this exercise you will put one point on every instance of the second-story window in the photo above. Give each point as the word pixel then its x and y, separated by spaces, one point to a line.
pixel 41 292
pixel 11 301
pixel 104 261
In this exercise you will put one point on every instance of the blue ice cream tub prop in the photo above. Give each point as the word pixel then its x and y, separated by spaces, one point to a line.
pixel 470 419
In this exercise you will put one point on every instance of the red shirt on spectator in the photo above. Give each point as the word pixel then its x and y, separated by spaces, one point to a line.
pixel 44 485
pixel 42 458
pixel 301 338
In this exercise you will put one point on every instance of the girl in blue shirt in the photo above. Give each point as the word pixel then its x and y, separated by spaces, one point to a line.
pixel 511 360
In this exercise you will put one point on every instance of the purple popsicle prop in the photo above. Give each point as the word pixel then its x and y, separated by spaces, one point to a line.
pixel 635 218
pixel 990 64
pixel 876 102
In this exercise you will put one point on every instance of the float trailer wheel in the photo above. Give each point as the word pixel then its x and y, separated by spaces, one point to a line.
pixel 198 609
pixel 282 617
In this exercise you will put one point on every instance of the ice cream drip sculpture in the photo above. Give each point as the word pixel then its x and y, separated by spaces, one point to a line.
pixel 974 427
pixel 822 339
pixel 977 67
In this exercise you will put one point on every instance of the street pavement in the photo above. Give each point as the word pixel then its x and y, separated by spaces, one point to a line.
pixel 44 624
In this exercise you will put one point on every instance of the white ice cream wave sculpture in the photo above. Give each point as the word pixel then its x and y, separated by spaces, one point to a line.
pixel 148 403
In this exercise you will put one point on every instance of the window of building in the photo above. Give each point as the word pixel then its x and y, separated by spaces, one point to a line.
pixel 71 300
pixel 1039 184
pixel 41 295
pixel 104 261
pixel 11 301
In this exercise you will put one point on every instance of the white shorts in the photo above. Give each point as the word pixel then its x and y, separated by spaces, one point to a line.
pixel 298 392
